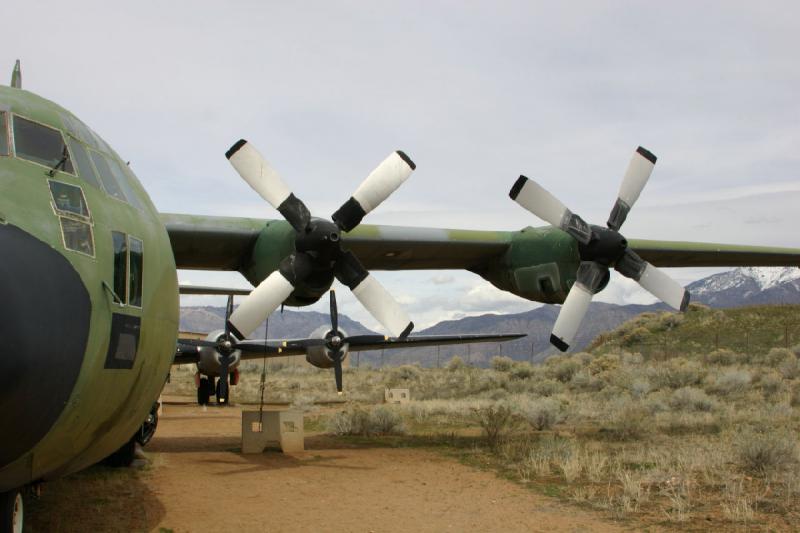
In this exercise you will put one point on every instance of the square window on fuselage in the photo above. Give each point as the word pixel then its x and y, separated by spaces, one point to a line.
pixel 68 199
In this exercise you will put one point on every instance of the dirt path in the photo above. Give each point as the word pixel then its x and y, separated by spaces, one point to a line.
pixel 201 483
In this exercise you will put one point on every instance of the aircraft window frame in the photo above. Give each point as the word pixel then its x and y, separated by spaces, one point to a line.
pixel 108 178
pixel 5 137
pixel 120 284
pixel 85 215
pixel 50 167
pixel 65 222
pixel 76 146
pixel 131 295
pixel 135 281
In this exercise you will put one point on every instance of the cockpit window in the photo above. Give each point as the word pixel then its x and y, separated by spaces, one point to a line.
pixel 77 236
pixel 120 241
pixel 110 183
pixel 136 251
pixel 41 144
pixel 85 168
pixel 68 199
pixel 3 134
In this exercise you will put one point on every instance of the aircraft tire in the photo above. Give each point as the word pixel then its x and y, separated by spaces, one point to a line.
pixel 203 392
pixel 227 395
pixel 12 511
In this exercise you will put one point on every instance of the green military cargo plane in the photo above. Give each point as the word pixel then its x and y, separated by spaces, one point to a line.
pixel 90 293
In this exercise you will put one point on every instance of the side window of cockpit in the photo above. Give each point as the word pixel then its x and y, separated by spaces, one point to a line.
pixel 3 134
pixel 136 251
pixel 82 160
pixel 120 241
pixel 74 216
pixel 41 144
pixel 106 176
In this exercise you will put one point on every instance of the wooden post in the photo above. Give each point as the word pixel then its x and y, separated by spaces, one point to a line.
pixel 469 354
pixel 532 344
pixel 438 353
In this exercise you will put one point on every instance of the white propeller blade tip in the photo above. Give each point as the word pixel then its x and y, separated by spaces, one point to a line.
pixel 235 148
pixel 647 154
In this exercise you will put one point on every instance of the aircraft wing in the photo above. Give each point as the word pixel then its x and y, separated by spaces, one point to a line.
pixel 702 254
pixel 258 349
pixel 226 243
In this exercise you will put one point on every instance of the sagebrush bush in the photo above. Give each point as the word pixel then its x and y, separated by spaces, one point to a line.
pixel 775 357
pixel 771 384
pixel 356 421
pixel 562 368
pixel 628 422
pixel 456 363
pixel 502 363
pixel 495 420
pixel 722 357
pixel 547 387
pixel 691 399
pixel 760 453
pixel 522 370
pixel 731 382
pixel 542 413
pixel 676 373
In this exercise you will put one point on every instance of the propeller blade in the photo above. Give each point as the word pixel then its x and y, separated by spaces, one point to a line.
pixel 264 299
pixel 337 372
pixel 544 205
pixel 198 342
pixel 570 316
pixel 225 361
pixel 334 313
pixel 663 287
pixel 636 176
pixel 260 175
pixel 653 280
pixel 376 188
pixel 228 312
pixel 372 295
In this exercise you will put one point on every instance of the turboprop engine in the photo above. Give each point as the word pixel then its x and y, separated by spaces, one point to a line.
pixel 323 356
pixel 210 359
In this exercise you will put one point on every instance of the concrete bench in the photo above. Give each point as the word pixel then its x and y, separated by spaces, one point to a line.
pixel 282 429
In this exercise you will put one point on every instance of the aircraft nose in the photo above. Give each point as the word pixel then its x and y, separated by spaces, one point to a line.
pixel 45 311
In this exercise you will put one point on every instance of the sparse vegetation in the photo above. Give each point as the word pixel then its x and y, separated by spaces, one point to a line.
pixel 696 435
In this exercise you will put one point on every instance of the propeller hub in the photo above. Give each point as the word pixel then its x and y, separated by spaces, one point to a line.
pixel 605 247
pixel 321 239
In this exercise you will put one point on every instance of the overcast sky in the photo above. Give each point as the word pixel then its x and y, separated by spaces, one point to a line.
pixel 476 93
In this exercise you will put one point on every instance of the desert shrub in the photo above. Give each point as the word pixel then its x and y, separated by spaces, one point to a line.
pixel 794 395
pixel 404 373
pixel 502 363
pixel 677 373
pixel 357 421
pixel 521 370
pixel 628 422
pixel 542 414
pixel 636 336
pixel 789 368
pixel 760 453
pixel 455 363
pixel 723 356
pixel 775 357
pixel 639 387
pixel 562 368
pixel 770 384
pixel 604 363
pixel 495 420
pixel 385 421
pixel 668 321
pixel 731 382
pixel 691 399
pixel 353 421
pixel 547 387
pixel 586 382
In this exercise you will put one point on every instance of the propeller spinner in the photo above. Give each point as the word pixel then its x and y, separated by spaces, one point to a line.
pixel 600 248
pixel 317 242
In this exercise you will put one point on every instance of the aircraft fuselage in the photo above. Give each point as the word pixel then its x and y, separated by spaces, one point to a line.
pixel 89 294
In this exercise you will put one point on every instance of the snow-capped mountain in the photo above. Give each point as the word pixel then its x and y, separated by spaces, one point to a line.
pixel 748 286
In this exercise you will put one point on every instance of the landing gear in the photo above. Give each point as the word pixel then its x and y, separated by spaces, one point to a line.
pixel 204 390
pixel 223 400
pixel 11 511
pixel 149 426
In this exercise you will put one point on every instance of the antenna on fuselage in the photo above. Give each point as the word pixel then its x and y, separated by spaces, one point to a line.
pixel 16 76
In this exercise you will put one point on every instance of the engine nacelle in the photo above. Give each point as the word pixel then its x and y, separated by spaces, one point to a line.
pixel 209 363
pixel 320 356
